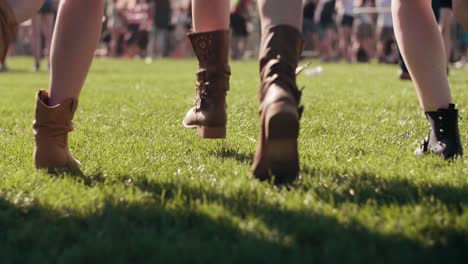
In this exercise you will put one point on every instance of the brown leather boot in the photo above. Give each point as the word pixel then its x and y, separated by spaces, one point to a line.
pixel 208 115
pixel 8 26
pixel 280 112
pixel 51 129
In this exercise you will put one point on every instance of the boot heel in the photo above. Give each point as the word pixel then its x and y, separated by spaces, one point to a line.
pixel 284 159
pixel 282 121
pixel 282 130
pixel 211 132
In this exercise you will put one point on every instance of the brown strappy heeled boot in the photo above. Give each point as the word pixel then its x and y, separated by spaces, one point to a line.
pixel 208 115
pixel 280 110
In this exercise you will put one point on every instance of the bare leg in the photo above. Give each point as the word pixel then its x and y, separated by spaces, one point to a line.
pixel 25 9
pixel 446 19
pixel 345 33
pixel 460 10
pixel 417 34
pixel 75 38
pixel 36 39
pixel 209 15
pixel 47 26
pixel 151 45
pixel 280 12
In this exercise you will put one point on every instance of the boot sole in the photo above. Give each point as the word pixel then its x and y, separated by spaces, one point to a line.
pixel 211 132
pixel 282 131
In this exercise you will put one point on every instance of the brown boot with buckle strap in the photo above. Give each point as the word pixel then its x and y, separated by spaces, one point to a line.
pixel 208 115
pixel 8 26
pixel 51 128
pixel 277 154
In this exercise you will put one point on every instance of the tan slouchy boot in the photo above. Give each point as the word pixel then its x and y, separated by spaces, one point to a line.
pixel 280 112
pixel 8 26
pixel 208 115
pixel 51 128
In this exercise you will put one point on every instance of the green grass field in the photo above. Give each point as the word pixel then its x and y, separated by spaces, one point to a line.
pixel 153 192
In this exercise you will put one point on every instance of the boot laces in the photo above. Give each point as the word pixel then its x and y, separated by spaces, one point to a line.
pixel 201 93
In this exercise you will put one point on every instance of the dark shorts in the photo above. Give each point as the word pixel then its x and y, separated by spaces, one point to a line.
pixel 362 55
pixel 347 21
pixel 386 34
pixel 308 26
pixel 239 25
pixel 445 3
pixel 323 29
pixel 137 37
pixel 48 8
pixel 364 31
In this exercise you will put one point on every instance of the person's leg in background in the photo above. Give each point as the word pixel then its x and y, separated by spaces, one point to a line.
pixel 327 44
pixel 345 33
pixel 460 10
pixel 42 25
pixel 36 40
pixel 161 42
pixel 47 27
pixel 151 45
pixel 12 13
pixel 381 42
pixel 280 50
pixel 415 25
pixel 445 26
pixel 210 40
pixel 236 35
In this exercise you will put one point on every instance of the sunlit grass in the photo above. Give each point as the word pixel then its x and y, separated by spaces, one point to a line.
pixel 153 192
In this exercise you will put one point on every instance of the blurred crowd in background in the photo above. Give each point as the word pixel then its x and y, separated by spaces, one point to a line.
pixel 334 30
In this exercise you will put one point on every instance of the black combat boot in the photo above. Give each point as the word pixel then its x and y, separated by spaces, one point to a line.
pixel 444 136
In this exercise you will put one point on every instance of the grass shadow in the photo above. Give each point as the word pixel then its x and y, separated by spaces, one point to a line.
pixel 230 153
pixel 169 227
pixel 364 187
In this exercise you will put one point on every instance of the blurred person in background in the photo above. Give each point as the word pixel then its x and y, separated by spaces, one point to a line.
pixel 345 29
pixel 309 28
pixel 386 52
pixel 181 21
pixel 42 26
pixel 161 14
pixel 139 25
pixel 115 25
pixel 364 43
pixel 75 38
pixel 240 13
pixel 324 18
